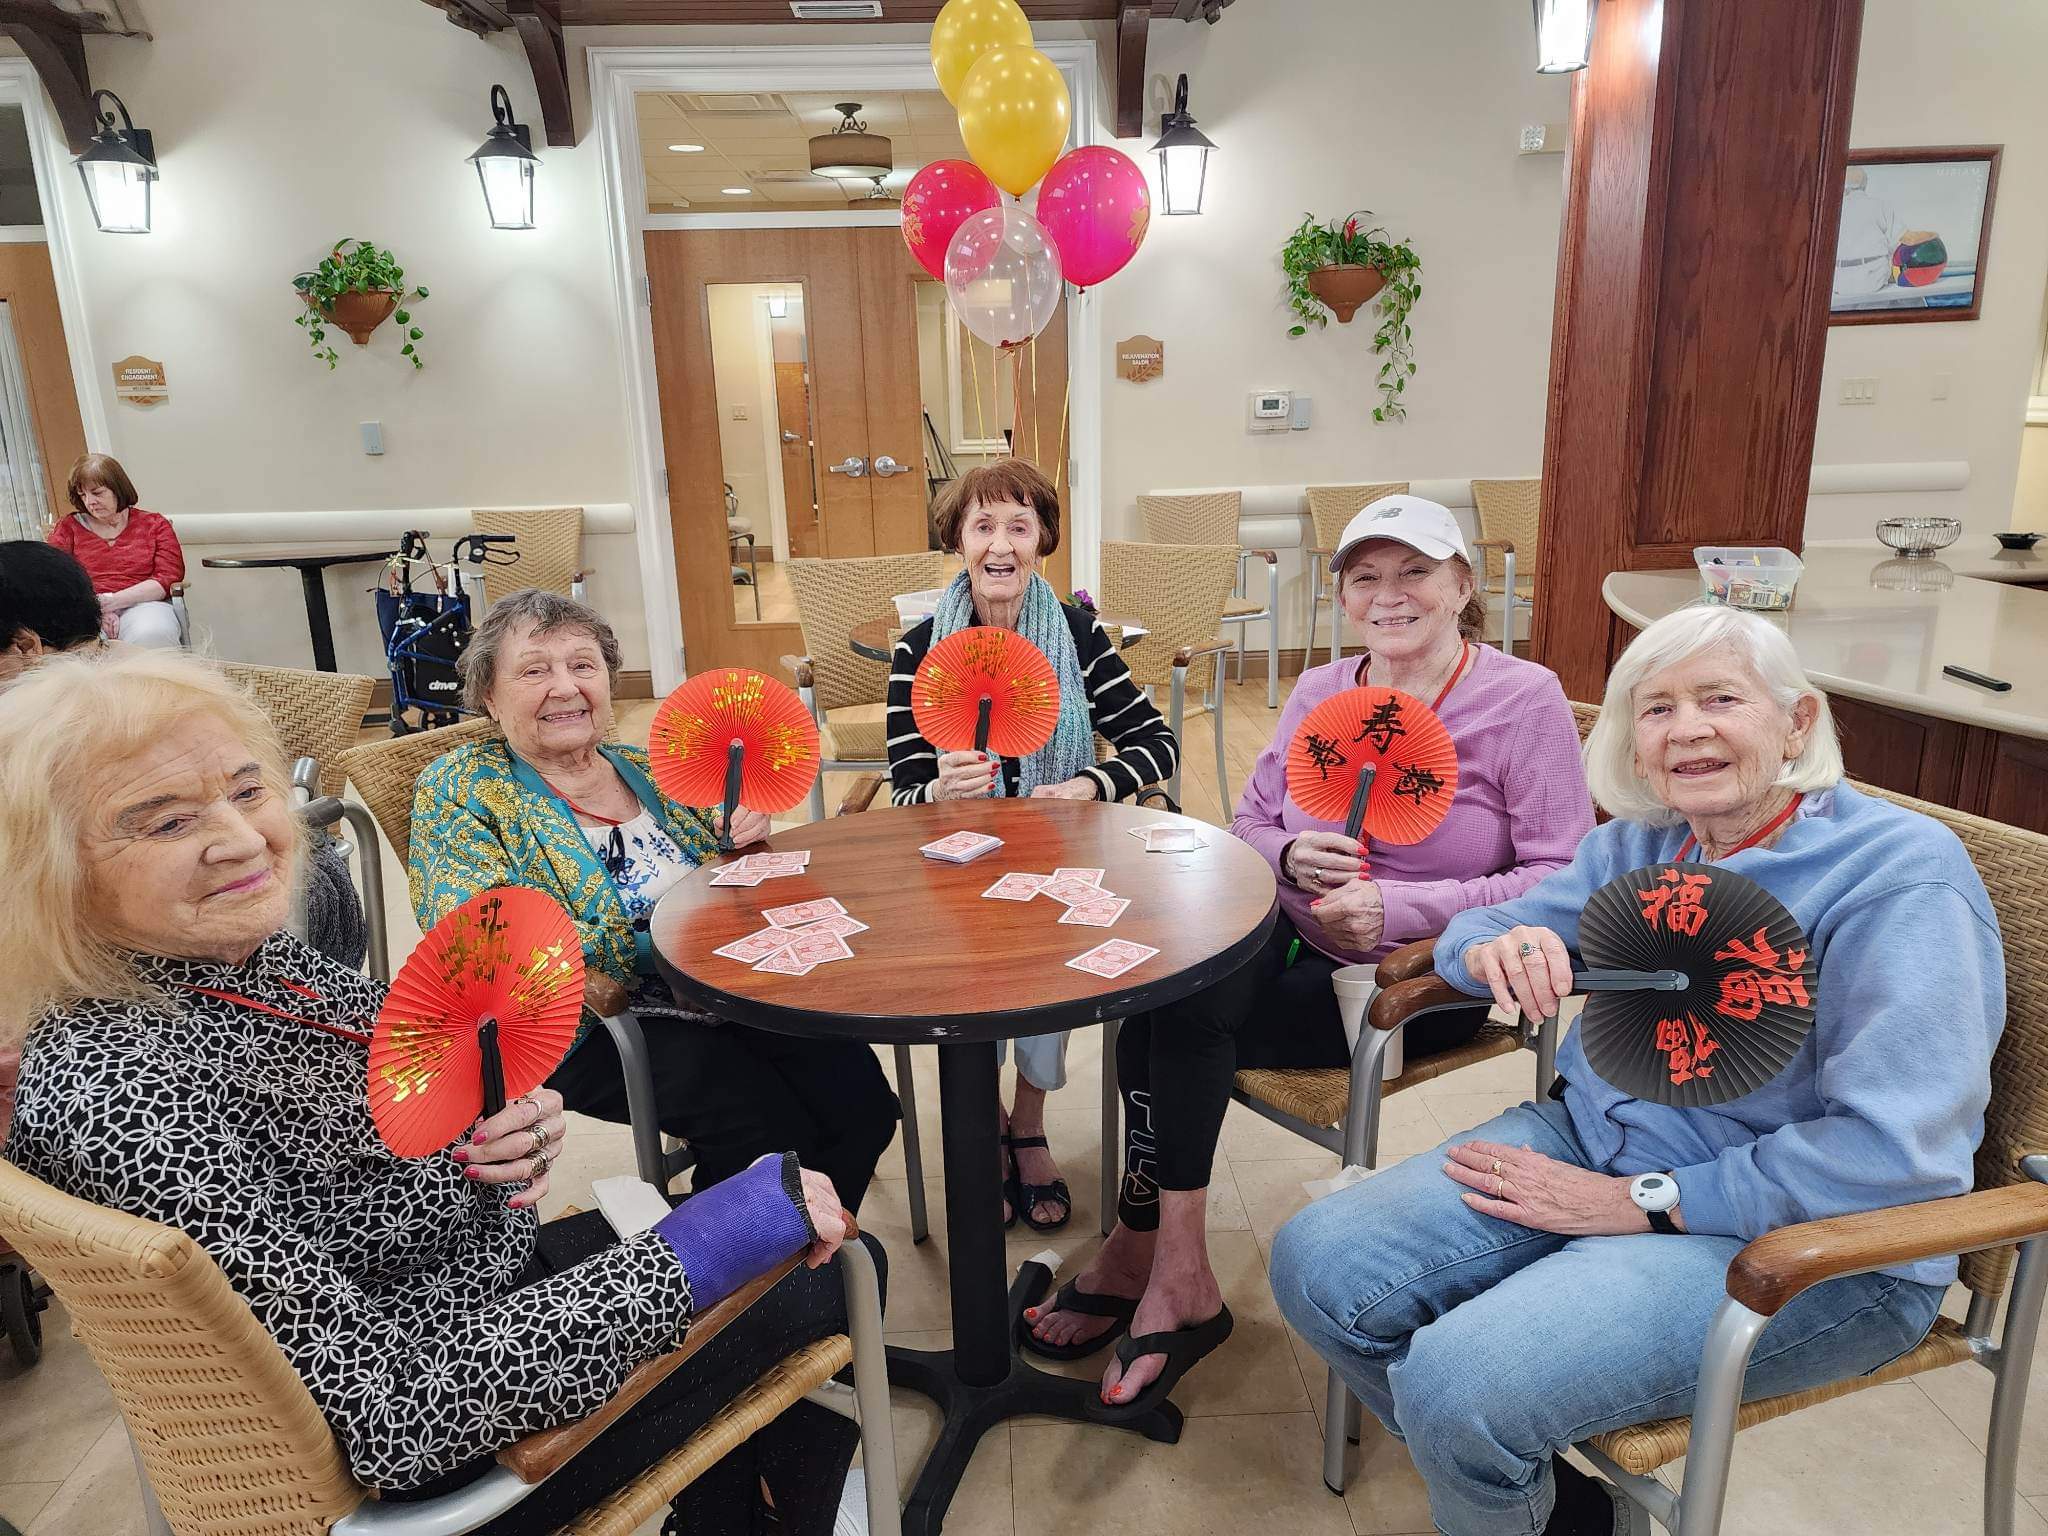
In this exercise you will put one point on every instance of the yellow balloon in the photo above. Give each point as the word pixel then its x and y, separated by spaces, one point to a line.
pixel 966 29
pixel 1014 114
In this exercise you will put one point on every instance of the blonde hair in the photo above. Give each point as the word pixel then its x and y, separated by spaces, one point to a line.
pixel 60 725
pixel 1611 745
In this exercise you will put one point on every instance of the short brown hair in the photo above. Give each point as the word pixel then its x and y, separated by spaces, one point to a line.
pixel 100 469
pixel 547 612
pixel 1006 481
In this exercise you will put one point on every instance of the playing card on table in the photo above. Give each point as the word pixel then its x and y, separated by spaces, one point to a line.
pixel 1075 893
pixel 815 948
pixel 755 946
pixel 960 847
pixel 738 874
pixel 1167 826
pixel 791 863
pixel 840 923
pixel 1092 876
pixel 797 913
pixel 783 963
pixel 1111 958
pixel 1016 886
pixel 1171 840
pixel 1098 914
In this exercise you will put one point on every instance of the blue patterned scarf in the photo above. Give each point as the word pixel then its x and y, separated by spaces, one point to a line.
pixel 1044 623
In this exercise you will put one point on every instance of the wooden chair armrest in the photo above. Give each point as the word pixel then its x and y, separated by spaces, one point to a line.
pixel 799 667
pixel 1267 555
pixel 1505 546
pixel 1188 653
pixel 1407 963
pixel 862 794
pixel 1407 1000
pixel 545 1452
pixel 1774 1268
pixel 602 995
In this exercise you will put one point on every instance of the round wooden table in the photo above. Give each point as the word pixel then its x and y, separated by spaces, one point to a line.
pixel 876 638
pixel 940 964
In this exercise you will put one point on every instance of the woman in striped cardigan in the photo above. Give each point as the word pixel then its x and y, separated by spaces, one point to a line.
pixel 1002 519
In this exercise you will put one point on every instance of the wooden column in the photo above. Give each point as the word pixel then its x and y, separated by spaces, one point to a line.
pixel 1695 263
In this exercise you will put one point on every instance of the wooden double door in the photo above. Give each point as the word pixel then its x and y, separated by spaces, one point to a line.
pixel 837 341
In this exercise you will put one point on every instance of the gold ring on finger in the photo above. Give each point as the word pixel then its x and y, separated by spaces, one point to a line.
pixel 1496 1167
pixel 1500 1187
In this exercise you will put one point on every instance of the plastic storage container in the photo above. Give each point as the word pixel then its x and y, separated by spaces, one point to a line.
pixel 914 607
pixel 1760 577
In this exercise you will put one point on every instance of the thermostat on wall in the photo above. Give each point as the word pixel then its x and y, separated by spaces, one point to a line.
pixel 1268 410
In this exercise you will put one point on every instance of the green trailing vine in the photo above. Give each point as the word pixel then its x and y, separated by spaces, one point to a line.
pixel 1313 246
pixel 355 266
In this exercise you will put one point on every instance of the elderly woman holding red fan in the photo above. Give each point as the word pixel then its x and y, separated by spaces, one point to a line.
pixel 188 1061
pixel 554 806
pixel 1002 519
pixel 1520 808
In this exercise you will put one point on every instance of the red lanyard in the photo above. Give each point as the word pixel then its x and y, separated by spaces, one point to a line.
pixel 610 821
pixel 249 1002
pixel 1464 660
pixel 1753 839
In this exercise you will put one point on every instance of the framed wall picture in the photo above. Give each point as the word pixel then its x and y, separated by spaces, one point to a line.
pixel 1916 225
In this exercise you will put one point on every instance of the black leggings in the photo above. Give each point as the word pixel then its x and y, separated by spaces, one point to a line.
pixel 735 1093
pixel 1175 1064
pixel 802 1456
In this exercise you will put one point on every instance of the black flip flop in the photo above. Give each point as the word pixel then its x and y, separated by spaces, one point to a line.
pixel 1071 1298
pixel 1055 1193
pixel 1183 1348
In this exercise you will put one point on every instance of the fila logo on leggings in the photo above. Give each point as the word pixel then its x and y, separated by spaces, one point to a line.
pixel 1141 1186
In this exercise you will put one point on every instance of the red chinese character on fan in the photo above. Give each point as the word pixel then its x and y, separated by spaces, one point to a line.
pixel 1685 1047
pixel 1770 979
pixel 1676 898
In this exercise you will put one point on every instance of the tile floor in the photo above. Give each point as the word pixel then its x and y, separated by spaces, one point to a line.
pixel 1901 1460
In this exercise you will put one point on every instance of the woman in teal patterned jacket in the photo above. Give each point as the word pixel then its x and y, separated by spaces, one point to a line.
pixel 554 806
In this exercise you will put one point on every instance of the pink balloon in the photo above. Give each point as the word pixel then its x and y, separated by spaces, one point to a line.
pixel 1095 205
pixel 938 198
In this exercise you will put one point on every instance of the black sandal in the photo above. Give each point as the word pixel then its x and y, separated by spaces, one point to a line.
pixel 1032 1195
pixel 1183 1348
pixel 1012 1191
pixel 1071 1298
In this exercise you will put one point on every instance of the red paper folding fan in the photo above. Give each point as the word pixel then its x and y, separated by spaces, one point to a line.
pixel 1414 763
pixel 697 727
pixel 986 663
pixel 484 1010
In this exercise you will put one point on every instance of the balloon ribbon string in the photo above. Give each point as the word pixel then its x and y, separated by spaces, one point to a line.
pixel 1016 398
pixel 1066 397
pixel 974 372
pixel 1037 410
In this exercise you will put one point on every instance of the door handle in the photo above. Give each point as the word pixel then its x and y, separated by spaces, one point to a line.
pixel 854 467
pixel 886 466
pixel 791 437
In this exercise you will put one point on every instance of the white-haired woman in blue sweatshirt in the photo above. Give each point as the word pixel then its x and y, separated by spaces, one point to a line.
pixel 1508 1295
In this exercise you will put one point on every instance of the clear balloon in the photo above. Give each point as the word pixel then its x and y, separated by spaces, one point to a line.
pixel 1096 206
pixel 1014 115
pixel 937 199
pixel 966 29
pixel 1003 276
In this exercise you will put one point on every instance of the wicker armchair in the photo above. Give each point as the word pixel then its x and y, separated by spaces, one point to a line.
pixel 1330 507
pixel 1212 518
pixel 316 714
pixel 1177 591
pixel 550 545
pixel 385 773
pixel 1508 514
pixel 230 1441
pixel 832 596
pixel 2008 1207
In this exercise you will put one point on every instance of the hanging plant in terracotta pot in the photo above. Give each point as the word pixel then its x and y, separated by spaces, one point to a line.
pixel 356 288
pixel 1338 267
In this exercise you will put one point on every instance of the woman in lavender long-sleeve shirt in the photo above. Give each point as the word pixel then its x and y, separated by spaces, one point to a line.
pixel 1520 810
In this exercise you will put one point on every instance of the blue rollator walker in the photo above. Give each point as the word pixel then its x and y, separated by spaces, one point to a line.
pixel 425 632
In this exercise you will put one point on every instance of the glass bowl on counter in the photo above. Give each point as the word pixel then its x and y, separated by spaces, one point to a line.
pixel 1761 577
pixel 1918 537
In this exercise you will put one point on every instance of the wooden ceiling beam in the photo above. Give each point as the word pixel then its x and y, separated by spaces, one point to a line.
pixel 1133 17
pixel 54 44
pixel 539 25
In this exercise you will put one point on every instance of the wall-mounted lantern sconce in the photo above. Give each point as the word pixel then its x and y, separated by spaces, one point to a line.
pixel 117 168
pixel 1183 156
pixel 1564 35
pixel 504 164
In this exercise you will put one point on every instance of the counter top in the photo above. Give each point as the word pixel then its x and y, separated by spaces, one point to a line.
pixel 1976 555
pixel 1880 628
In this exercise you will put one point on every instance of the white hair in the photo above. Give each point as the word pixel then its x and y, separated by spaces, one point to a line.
pixel 1610 747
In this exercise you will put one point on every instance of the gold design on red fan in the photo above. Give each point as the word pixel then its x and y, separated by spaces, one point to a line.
pixel 986 662
pixel 422 1049
pixel 697 724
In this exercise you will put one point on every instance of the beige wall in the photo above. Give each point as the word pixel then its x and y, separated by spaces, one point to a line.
pixel 2030 496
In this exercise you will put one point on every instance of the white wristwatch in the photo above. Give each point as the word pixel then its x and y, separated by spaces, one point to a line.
pixel 1655 1194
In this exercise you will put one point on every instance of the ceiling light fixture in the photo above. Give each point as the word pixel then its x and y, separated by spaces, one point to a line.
pixel 1183 156
pixel 737 191
pixel 686 149
pixel 849 152
pixel 1564 35
pixel 118 167
pixel 504 164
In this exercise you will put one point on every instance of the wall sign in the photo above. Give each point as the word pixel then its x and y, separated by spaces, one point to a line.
pixel 1140 359
pixel 140 381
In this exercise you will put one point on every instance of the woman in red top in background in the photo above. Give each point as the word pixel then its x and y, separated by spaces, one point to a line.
pixel 133 557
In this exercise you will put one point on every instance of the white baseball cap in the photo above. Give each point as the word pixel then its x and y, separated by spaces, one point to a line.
pixel 1411 520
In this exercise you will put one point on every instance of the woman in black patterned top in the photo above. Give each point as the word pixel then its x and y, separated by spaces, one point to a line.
pixel 188 1063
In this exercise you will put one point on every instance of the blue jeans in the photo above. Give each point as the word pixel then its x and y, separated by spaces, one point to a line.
pixel 1487 1346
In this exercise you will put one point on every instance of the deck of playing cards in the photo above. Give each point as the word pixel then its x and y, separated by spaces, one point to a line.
pixel 961 847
